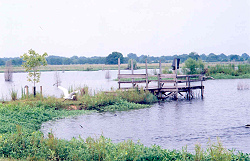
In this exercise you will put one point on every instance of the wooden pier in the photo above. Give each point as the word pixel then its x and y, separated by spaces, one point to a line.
pixel 166 85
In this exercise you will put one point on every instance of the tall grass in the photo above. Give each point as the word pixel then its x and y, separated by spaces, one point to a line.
pixel 229 71
pixel 34 146
pixel 13 94
pixel 138 96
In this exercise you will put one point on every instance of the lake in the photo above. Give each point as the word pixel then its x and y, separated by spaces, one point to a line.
pixel 94 79
pixel 173 124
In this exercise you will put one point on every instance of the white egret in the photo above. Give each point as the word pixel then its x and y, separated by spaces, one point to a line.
pixel 67 95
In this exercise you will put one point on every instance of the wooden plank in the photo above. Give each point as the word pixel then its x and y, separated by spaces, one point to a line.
pixel 119 72
pixel 160 72
pixel 140 81
pixel 184 76
pixel 186 81
pixel 131 75
pixel 167 81
pixel 168 76
pixel 146 66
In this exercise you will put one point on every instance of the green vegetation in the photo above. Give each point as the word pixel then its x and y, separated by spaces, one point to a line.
pixel 32 61
pixel 193 66
pixel 113 58
pixel 58 60
pixel 229 71
pixel 218 71
pixel 20 139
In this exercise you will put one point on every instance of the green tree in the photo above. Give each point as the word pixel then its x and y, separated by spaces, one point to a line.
pixel 32 61
pixel 194 55
pixel 234 57
pixel 212 58
pixel 245 56
pixel 2 62
pixel 113 58
pixel 17 61
pixel 133 56
pixel 192 66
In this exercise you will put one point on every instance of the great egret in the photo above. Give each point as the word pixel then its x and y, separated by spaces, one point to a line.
pixel 67 95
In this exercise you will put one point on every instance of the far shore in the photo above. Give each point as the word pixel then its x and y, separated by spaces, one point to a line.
pixel 85 67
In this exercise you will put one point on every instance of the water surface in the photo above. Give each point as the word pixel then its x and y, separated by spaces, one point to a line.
pixel 222 113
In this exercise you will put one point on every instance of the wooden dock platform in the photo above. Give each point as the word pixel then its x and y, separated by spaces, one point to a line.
pixel 167 85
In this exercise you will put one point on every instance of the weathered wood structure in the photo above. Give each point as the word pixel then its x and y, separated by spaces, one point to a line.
pixel 167 85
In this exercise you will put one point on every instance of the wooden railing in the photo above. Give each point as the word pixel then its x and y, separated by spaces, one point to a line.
pixel 179 83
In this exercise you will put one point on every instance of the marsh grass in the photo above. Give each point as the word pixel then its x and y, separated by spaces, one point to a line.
pixel 138 96
pixel 34 146
pixel 229 71
pixel 13 94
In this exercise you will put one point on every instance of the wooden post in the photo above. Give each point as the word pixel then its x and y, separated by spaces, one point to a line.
pixel 202 90
pixel 189 91
pixel 160 67
pixel 41 90
pixel 175 71
pixel 159 86
pixel 34 91
pixel 132 70
pixel 119 86
pixel 27 91
pixel 146 66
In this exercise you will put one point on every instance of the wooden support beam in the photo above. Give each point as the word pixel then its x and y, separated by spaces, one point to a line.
pixel 131 76
pixel 132 71
pixel 146 66
pixel 160 71
pixel 168 75
pixel 175 71
pixel 41 90
pixel 202 90
pixel 27 91
pixel 119 72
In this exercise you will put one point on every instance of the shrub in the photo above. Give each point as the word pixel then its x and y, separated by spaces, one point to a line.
pixel 192 66
pixel 138 96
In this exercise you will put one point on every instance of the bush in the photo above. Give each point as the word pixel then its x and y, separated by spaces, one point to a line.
pixel 192 66
pixel 138 96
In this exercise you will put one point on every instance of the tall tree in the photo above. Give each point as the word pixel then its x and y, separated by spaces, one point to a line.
pixel 245 56
pixel 212 57
pixel 193 55
pixel 2 62
pixel 234 57
pixel 133 56
pixel 222 57
pixel 113 58
pixel 32 61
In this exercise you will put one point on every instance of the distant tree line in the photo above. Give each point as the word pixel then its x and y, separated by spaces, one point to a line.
pixel 112 59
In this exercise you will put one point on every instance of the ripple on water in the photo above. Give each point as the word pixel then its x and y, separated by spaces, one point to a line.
pixel 222 113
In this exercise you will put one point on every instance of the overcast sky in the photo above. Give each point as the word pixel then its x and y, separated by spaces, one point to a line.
pixel 98 27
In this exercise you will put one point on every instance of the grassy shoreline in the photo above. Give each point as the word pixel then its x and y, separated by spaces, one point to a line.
pixel 21 120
